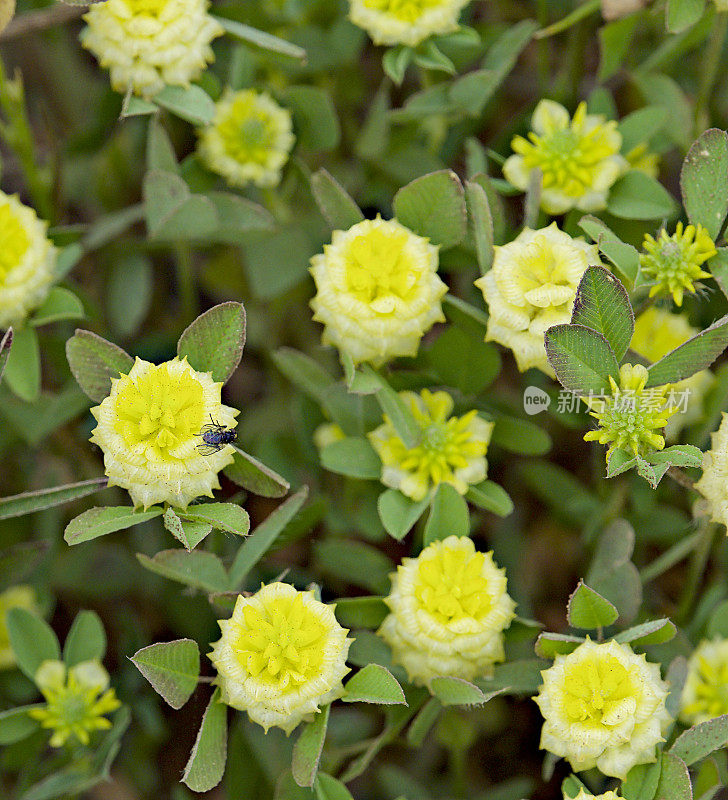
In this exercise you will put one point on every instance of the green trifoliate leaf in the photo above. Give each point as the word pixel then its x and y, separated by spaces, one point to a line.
pixel 701 740
pixel 398 513
pixel 549 645
pixel 18 505
pixel 206 765
pixel 434 206
pixel 459 692
pixel 337 207
pixel 308 747
pixel 656 631
pixel 374 684
pixel 581 358
pixel 86 641
pixel 602 304
pixel 588 610
pixel 703 182
pixel 449 515
pixel 214 341
pixel 172 668
pixel 692 356
pixel 32 640
pixel 104 520
pixel 94 362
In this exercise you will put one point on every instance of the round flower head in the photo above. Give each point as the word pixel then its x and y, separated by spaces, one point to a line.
pixel 249 139
pixel 713 484
pixel 630 418
pixel 282 655
pixel 657 333
pixel 451 449
pixel 673 262
pixel 77 700
pixel 532 286
pixel 604 707
pixel 405 21
pixel 148 44
pixel 578 158
pixel 20 596
pixel 449 607
pixel 27 261
pixel 704 696
pixel 378 290
pixel 149 429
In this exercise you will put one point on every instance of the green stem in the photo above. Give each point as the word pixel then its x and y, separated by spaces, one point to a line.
pixel 709 72
pixel 17 133
pixel 580 13
pixel 186 281
pixel 698 562
pixel 670 557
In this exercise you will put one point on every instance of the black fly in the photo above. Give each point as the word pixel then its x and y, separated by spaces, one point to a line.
pixel 215 437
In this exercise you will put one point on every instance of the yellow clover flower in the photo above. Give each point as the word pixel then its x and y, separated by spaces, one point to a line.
pixel 579 158
pixel 77 700
pixel 604 707
pixel 282 654
pixel 657 333
pixel 149 429
pixel 20 596
pixel 530 287
pixel 713 484
pixel 406 22
pixel 27 260
pixel 148 44
pixel 630 418
pixel 449 607
pixel 673 262
pixel 451 449
pixel 704 696
pixel 249 139
pixel 378 290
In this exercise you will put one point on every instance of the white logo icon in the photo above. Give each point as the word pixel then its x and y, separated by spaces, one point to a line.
pixel 535 400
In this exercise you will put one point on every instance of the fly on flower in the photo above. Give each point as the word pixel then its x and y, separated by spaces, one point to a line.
pixel 215 437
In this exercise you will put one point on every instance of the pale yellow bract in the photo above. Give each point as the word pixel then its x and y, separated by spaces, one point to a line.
pixel 408 22
pixel 282 656
pixel 27 261
pixel 451 450
pixel 149 429
pixel 249 139
pixel 77 700
pixel 530 287
pixel 449 607
pixel 713 484
pixel 149 44
pixel 704 696
pixel 578 157
pixel 378 290
pixel 603 706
